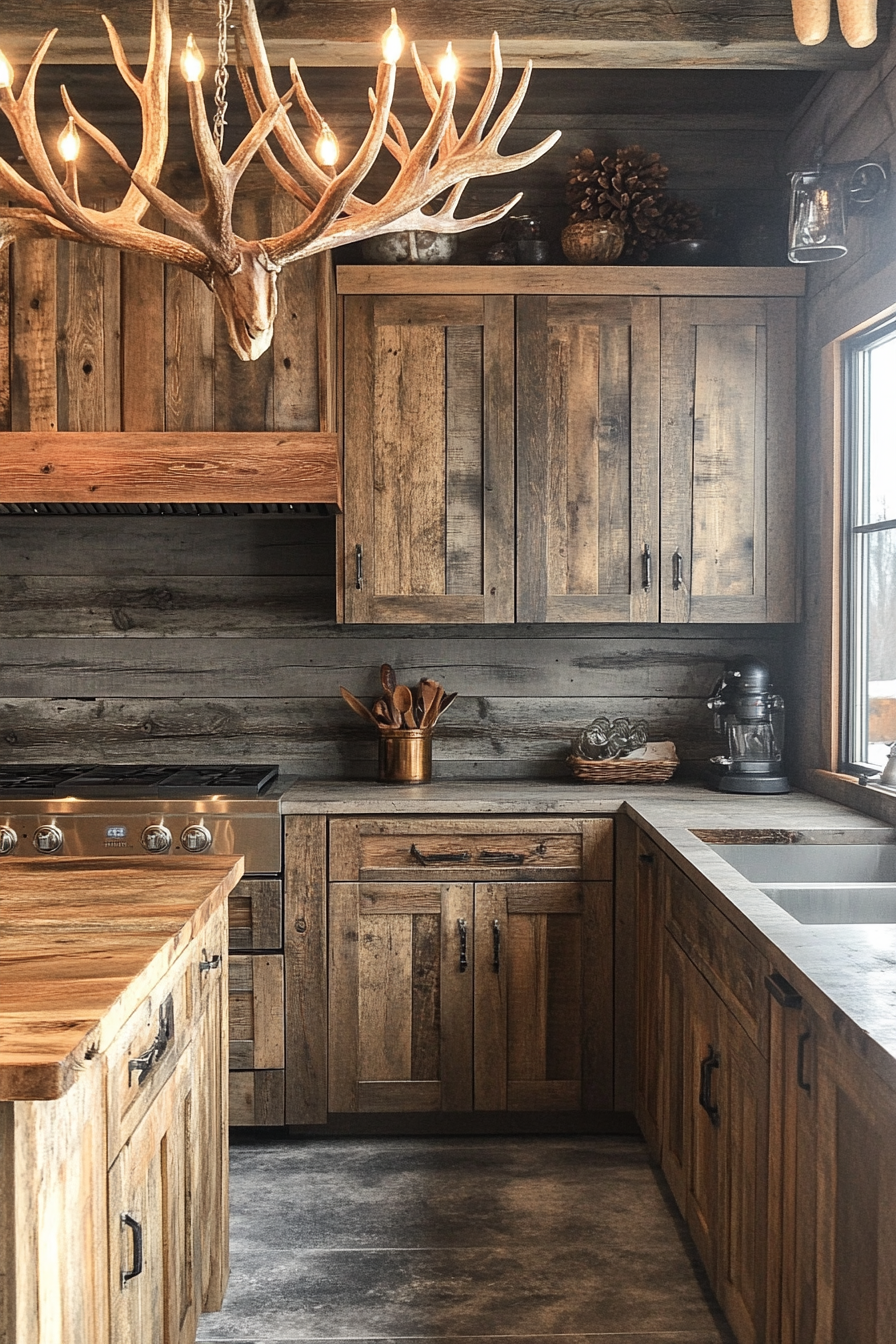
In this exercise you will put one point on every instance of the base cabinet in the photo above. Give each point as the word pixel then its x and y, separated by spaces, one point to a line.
pixel 470 966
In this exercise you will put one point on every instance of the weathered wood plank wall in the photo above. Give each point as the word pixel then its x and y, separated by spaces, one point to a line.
pixel 179 638
pixel 852 115
pixel 148 638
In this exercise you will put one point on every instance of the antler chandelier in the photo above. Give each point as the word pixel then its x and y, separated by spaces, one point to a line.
pixel 241 272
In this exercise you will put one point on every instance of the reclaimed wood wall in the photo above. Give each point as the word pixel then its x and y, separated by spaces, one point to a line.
pixel 92 339
pixel 183 639
pixel 852 115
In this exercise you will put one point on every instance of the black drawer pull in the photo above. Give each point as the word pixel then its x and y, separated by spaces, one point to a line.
pixel 782 991
pixel 143 1064
pixel 500 856
pixel 646 567
pixel 462 931
pixel 137 1261
pixel 425 859
pixel 712 1061
pixel 210 963
pixel 496 946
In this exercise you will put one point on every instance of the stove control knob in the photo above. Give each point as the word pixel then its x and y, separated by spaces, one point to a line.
pixel 8 840
pixel 156 839
pixel 196 839
pixel 47 839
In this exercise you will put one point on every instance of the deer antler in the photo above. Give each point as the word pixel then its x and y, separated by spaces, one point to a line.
pixel 242 273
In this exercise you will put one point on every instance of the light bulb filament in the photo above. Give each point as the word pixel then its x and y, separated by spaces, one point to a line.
pixel 393 42
pixel 191 63
pixel 449 67
pixel 327 147
pixel 69 142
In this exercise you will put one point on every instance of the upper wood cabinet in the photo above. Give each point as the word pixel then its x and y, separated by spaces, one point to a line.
pixel 587 457
pixel 653 444
pixel 727 443
pixel 428 443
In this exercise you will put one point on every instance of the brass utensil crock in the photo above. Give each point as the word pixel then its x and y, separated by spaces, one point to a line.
pixel 405 755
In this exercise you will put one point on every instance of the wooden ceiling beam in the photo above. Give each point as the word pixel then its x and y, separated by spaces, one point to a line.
pixel 709 34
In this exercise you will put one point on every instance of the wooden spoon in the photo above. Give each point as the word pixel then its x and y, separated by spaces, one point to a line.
pixel 383 714
pixel 404 703
pixel 445 701
pixel 354 703
pixel 387 680
pixel 430 693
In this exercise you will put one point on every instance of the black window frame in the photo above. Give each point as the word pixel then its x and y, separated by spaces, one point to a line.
pixel 854 557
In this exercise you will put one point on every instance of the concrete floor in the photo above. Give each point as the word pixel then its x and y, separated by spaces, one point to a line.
pixel 531 1240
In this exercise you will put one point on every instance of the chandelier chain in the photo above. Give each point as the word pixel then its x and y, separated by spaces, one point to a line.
pixel 225 9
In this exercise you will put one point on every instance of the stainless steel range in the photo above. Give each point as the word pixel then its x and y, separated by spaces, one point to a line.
pixel 57 811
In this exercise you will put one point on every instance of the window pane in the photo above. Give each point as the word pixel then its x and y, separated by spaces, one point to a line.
pixel 882 433
pixel 881 643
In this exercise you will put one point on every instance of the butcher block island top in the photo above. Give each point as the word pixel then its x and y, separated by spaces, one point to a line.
pixel 81 943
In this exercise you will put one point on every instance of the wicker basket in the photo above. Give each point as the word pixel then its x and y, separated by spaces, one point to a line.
pixel 622 771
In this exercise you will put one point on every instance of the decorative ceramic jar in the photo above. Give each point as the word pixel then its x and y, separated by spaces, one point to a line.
pixel 593 242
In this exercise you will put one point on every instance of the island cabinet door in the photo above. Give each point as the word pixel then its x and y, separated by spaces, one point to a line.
pixel 587 458
pixel 429 462
pixel 543 1005
pixel 401 996
pixel 154 1234
pixel 727 453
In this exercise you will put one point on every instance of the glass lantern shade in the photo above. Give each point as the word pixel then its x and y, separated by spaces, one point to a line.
pixel 821 200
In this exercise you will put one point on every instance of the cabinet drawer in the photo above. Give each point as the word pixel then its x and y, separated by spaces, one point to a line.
pixel 732 965
pixel 256 1012
pixel 517 850
pixel 145 1052
pixel 256 915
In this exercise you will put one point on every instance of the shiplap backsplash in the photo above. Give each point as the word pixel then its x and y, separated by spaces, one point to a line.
pixel 186 639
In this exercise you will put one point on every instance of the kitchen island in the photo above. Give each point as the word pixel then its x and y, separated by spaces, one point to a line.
pixel 113 1099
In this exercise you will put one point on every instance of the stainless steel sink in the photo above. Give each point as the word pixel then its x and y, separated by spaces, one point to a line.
pixel 836 902
pixel 812 863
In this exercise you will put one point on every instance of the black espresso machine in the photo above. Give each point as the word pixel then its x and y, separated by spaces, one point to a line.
pixel 750 715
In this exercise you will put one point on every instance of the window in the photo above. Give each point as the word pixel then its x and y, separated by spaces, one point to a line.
pixel 869 549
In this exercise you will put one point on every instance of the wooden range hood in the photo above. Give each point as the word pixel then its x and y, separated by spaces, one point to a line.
pixel 169 468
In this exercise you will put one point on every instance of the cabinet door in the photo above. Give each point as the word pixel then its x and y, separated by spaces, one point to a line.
pixel 429 461
pixel 649 931
pixel 856 1201
pixel 401 997
pixel 153 1262
pixel 727 451
pixel 588 458
pixel 543 1008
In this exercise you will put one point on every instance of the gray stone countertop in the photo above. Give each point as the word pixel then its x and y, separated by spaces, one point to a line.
pixel 847 973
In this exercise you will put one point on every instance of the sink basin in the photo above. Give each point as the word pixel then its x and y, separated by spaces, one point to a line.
pixel 810 864
pixel 836 902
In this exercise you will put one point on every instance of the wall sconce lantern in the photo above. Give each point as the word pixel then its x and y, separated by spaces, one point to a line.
pixel 821 201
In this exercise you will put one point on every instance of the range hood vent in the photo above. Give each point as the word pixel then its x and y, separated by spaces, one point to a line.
pixel 127 473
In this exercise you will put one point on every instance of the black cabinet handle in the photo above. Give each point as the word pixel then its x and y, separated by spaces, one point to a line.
pixel 462 933
pixel 677 571
pixel 210 963
pixel 142 1065
pixel 137 1260
pixel 496 946
pixel 712 1061
pixel 782 991
pixel 501 857
pixel 646 567
pixel 424 859
pixel 359 567
pixel 646 858
pixel 802 1040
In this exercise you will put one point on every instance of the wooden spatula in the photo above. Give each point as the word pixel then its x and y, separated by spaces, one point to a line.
pixel 354 703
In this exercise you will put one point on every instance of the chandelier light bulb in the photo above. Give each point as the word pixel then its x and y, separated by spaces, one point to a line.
pixel 6 71
pixel 393 42
pixel 69 142
pixel 192 65
pixel 449 67
pixel 327 147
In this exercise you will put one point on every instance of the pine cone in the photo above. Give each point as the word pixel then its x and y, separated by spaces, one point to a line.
pixel 628 187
